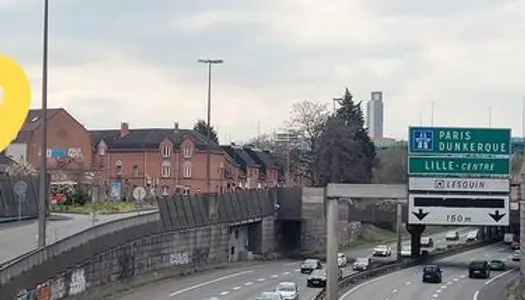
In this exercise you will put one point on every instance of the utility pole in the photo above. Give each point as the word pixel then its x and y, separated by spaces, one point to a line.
pixel 332 235
pixel 490 116
pixel 431 113
pixel 42 186
pixel 209 62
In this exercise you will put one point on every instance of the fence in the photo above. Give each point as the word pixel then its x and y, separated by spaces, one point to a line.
pixel 10 197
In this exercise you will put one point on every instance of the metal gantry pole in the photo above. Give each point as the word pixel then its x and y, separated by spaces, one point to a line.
pixel 399 228
pixel 490 116
pixel 42 186
pixel 332 221
pixel 431 113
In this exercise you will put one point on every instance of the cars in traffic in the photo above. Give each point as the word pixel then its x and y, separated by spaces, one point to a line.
pixel 452 236
pixel 309 265
pixel 516 255
pixel 472 236
pixel 341 260
pixel 382 250
pixel 479 269
pixel 318 278
pixel 362 264
pixel 497 265
pixel 515 245
pixel 406 251
pixel 269 296
pixel 433 274
pixel 508 238
pixel 288 290
pixel 427 242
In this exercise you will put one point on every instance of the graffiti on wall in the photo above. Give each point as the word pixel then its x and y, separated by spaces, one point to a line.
pixel 200 255
pixel 77 284
pixel 126 263
pixel 179 258
pixel 313 240
pixel 58 288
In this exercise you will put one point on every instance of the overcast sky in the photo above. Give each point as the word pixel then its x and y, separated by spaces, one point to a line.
pixel 136 60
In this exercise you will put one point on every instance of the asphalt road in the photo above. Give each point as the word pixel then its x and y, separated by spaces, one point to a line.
pixel 21 238
pixel 246 283
pixel 407 284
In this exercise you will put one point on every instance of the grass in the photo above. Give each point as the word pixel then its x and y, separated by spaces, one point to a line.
pixel 102 208
pixel 370 234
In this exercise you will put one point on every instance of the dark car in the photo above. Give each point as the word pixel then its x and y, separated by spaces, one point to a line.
pixel 432 273
pixel 479 269
pixel 318 278
pixel 515 246
pixel 309 265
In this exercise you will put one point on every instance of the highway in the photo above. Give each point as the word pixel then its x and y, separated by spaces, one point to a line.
pixel 18 239
pixel 246 282
pixel 407 284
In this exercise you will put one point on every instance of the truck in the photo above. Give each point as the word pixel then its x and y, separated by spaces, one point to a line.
pixel 508 238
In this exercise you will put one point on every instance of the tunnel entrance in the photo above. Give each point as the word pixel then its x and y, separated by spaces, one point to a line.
pixel 289 234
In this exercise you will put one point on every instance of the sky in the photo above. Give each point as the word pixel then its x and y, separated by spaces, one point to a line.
pixel 135 61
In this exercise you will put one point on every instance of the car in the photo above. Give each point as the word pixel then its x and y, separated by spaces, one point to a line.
pixel 362 264
pixel 472 236
pixel 382 250
pixel 269 296
pixel 516 255
pixel 406 251
pixel 288 290
pixel 309 265
pixel 341 260
pixel 427 242
pixel 479 269
pixel 432 273
pixel 317 279
pixel 497 265
pixel 452 236
pixel 515 246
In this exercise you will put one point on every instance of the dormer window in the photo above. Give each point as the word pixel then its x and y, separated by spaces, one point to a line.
pixel 187 152
pixel 33 120
pixel 166 151
pixel 118 167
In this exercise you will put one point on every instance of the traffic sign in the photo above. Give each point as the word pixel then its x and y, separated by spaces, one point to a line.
pixel 20 189
pixel 468 210
pixel 455 166
pixel 433 184
pixel 451 140
pixel 139 193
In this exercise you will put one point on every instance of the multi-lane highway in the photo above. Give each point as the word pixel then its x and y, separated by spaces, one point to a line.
pixel 21 238
pixel 407 284
pixel 247 282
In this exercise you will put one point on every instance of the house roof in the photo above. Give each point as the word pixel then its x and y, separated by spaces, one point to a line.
pixel 239 155
pixel 150 138
pixel 262 157
pixel 33 122
pixel 6 161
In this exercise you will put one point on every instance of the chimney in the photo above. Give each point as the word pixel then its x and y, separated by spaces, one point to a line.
pixel 124 129
pixel 176 126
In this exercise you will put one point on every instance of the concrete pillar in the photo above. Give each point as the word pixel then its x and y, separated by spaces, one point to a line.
pixel 332 245
pixel 415 239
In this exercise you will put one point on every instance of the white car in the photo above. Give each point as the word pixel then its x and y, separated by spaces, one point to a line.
pixel 288 290
pixel 427 242
pixel 341 260
pixel 382 250
pixel 452 236
pixel 406 251
pixel 472 236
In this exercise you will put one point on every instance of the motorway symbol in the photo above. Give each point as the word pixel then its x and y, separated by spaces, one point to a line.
pixel 439 184
pixel 420 214
pixel 496 216
pixel 423 140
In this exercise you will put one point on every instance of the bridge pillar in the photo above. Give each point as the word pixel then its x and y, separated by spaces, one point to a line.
pixel 415 239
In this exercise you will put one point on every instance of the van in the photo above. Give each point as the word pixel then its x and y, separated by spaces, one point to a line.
pixel 508 238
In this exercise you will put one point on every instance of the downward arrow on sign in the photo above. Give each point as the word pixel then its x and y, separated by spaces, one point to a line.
pixel 496 216
pixel 420 214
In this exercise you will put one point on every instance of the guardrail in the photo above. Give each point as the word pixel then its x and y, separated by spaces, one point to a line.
pixel 27 261
pixel 353 279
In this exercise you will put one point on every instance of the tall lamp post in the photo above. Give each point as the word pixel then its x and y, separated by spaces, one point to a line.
pixel 209 62
pixel 42 186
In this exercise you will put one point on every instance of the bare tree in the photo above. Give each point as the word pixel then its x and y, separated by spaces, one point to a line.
pixel 264 142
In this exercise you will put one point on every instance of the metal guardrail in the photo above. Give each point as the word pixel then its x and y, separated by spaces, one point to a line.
pixel 353 279
pixel 27 261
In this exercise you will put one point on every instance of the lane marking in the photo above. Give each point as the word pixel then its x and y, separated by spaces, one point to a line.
pixel 248 283
pixel 261 279
pixel 462 276
pixel 449 283
pixel 184 290
pixel 274 276
pixel 297 270
pixel 236 288
pixel 456 280
pixel 497 277
pixel 438 291
pixel 435 296
pixel 475 297
pixel 408 283
pixel 394 291
pixel 286 273
pixel 443 287
pixel 290 264
pixel 224 293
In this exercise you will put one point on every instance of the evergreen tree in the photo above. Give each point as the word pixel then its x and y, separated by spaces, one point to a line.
pixel 202 128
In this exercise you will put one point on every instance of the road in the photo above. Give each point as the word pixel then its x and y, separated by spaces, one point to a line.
pixel 244 283
pixel 22 238
pixel 407 284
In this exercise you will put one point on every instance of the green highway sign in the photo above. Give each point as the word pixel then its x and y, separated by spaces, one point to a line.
pixel 449 140
pixel 458 166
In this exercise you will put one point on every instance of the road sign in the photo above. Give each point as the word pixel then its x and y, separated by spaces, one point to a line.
pixel 139 193
pixel 433 184
pixel 468 210
pixel 444 140
pixel 452 165
pixel 20 189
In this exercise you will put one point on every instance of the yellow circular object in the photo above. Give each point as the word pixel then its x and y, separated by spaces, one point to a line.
pixel 16 102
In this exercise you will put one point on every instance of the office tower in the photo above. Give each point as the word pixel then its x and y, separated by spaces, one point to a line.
pixel 374 115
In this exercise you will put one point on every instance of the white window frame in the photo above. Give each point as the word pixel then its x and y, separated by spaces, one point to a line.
pixel 165 169
pixel 187 170
pixel 118 167
pixel 135 171
pixel 166 151
pixel 187 152
pixel 165 190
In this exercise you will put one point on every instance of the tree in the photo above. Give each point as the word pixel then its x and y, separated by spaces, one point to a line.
pixel 264 142
pixel 392 166
pixel 202 128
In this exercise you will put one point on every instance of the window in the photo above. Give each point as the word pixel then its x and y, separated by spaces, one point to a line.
pixel 135 171
pixel 187 170
pixel 118 167
pixel 165 169
pixel 165 190
pixel 166 151
pixel 187 152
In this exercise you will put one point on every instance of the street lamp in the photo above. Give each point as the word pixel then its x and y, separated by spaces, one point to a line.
pixel 42 186
pixel 209 62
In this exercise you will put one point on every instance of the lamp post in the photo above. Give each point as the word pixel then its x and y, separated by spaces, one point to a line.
pixel 431 113
pixel 42 186
pixel 490 116
pixel 209 62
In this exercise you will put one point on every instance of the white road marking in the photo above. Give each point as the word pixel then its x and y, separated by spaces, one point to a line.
pixel 455 279
pixel 290 264
pixel 224 293
pixel 248 283
pixel 438 291
pixel 261 279
pixel 496 278
pixel 184 290
pixel 408 283
pixel 286 273
pixel 462 276
pixel 236 288
pixel 297 270
pixel 443 287
pixel 475 297
pixel 449 283
pixel 435 296
pixel 394 291
pixel 274 276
